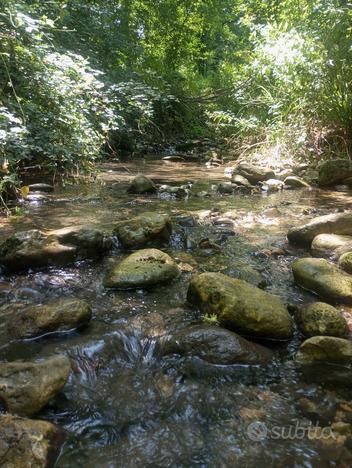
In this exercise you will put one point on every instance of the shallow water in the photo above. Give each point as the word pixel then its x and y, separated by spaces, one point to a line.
pixel 124 405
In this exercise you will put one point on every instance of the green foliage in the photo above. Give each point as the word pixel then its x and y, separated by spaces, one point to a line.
pixel 78 79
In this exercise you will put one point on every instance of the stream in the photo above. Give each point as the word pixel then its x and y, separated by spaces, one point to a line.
pixel 125 405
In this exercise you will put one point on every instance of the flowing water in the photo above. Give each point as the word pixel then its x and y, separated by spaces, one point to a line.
pixel 124 404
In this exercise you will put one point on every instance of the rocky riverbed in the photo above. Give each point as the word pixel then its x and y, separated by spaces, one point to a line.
pixel 192 317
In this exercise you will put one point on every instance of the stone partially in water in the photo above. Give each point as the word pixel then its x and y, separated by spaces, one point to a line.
pixel 217 346
pixel 345 262
pixel 26 387
pixel 41 187
pixel 61 315
pixel 329 244
pixel 335 171
pixel 296 182
pixel 37 249
pixel 324 279
pixel 325 349
pixel 240 306
pixel 25 443
pixel 141 184
pixel 142 269
pixel 148 229
pixel 254 174
pixel 225 188
pixel 241 181
pixel 321 319
pixel 272 185
pixel 339 223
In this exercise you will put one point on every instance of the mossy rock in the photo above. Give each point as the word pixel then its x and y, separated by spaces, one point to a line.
pixel 141 184
pixel 57 316
pixel 345 262
pixel 318 318
pixel 335 171
pixel 147 230
pixel 327 349
pixel 143 269
pixel 240 306
pixel 324 279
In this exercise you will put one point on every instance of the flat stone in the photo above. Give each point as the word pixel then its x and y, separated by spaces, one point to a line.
pixel 38 249
pixel 324 279
pixel 330 244
pixel 148 229
pixel 57 316
pixel 40 187
pixel 337 223
pixel 296 182
pixel 26 387
pixel 143 269
pixel 240 306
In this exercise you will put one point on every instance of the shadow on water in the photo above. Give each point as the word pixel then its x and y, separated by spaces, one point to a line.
pixel 126 405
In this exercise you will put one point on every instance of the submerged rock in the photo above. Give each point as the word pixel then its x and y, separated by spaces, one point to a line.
pixel 254 174
pixel 325 349
pixel 217 346
pixel 25 443
pixel 240 306
pixel 339 223
pixel 141 184
pixel 36 249
pixel 296 182
pixel 148 229
pixel 334 172
pixel 26 387
pixel 321 319
pixel 329 244
pixel 142 269
pixel 323 278
pixel 345 262
pixel 61 315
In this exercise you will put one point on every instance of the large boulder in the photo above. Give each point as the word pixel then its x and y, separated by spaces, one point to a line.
pixel 330 244
pixel 142 269
pixel 338 223
pixel 37 249
pixel 326 349
pixel 240 306
pixel 60 315
pixel 345 262
pixel 241 181
pixel 319 318
pixel 217 346
pixel 254 174
pixel 26 387
pixel 148 229
pixel 323 278
pixel 141 184
pixel 25 443
pixel 334 172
